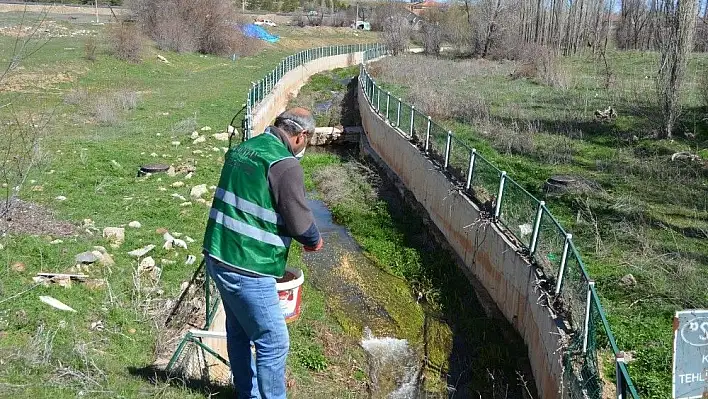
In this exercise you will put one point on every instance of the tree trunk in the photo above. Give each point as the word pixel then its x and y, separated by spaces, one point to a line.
pixel 491 27
pixel 676 39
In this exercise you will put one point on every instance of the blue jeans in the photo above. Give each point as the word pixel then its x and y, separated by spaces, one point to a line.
pixel 253 315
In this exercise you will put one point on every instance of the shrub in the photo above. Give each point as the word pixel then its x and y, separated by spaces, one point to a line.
pixel 127 99
pixel 126 42
pixel 90 47
pixel 206 26
pixel 76 96
pixel 540 63
pixel 105 110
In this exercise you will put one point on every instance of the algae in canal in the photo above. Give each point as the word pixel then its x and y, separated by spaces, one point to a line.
pixel 361 295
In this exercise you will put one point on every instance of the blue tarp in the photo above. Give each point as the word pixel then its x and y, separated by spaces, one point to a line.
pixel 258 32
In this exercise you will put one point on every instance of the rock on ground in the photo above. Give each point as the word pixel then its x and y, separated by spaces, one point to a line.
pixel 87 257
pixel 198 191
pixel 221 136
pixel 140 252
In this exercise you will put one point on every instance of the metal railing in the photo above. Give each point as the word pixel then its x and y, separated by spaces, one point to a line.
pixel 528 219
pixel 259 90
pixel 524 216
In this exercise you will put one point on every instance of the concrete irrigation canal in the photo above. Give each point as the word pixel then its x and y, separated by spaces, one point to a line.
pixel 414 347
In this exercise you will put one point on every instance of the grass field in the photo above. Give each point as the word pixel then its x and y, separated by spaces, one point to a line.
pixel 647 215
pixel 106 119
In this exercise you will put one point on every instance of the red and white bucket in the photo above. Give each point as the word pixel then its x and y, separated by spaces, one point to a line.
pixel 290 293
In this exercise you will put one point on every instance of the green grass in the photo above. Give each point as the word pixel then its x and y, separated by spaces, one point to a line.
pixel 651 213
pixel 80 152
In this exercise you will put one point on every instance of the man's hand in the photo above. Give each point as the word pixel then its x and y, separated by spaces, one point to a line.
pixel 316 248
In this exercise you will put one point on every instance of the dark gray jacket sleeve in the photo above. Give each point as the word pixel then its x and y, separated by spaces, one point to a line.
pixel 287 183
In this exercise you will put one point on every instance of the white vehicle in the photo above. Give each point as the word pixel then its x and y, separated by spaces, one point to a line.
pixel 266 22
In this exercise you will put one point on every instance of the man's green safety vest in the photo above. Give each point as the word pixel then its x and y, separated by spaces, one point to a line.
pixel 244 230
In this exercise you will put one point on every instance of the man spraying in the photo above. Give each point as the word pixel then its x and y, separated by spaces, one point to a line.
pixel 258 208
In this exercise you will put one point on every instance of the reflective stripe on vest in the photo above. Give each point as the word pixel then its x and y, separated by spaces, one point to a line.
pixel 248 230
pixel 248 206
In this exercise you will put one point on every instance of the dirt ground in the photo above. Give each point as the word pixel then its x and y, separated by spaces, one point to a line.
pixel 30 218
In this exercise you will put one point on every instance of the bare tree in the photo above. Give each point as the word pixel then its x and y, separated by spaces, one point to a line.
pixel 432 37
pixel 431 31
pixel 396 26
pixel 634 18
pixel 492 25
pixel 676 42
pixel 19 135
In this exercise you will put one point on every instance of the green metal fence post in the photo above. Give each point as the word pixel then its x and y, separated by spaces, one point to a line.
pixel 619 359
pixel 591 283
pixel 427 135
pixel 448 149
pixel 470 169
pixel 502 180
pixel 207 295
pixel 564 261
pixel 388 101
pixel 178 351
pixel 378 99
pixel 398 115
pixel 536 227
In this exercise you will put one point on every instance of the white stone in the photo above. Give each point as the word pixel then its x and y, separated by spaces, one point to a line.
pixel 55 242
pixel 60 198
pixel 221 136
pixel 202 201
pixel 176 143
pixel 212 188
pixel 224 149
pixel 179 243
pixel 194 135
pixel 114 234
pixel 140 252
pixel 146 264
pixel 179 197
pixel 216 149
pixel 2 247
pixel 185 204
pixel 190 260
pixel 188 239
pixel 197 152
pixel 206 129
pixel 51 172
pixel 167 262
pixel 198 191
pixel 153 154
pixel 199 139
pixel 178 184
pixel 168 237
pixel 188 175
pixel 115 164
pixel 161 189
pixel 135 224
